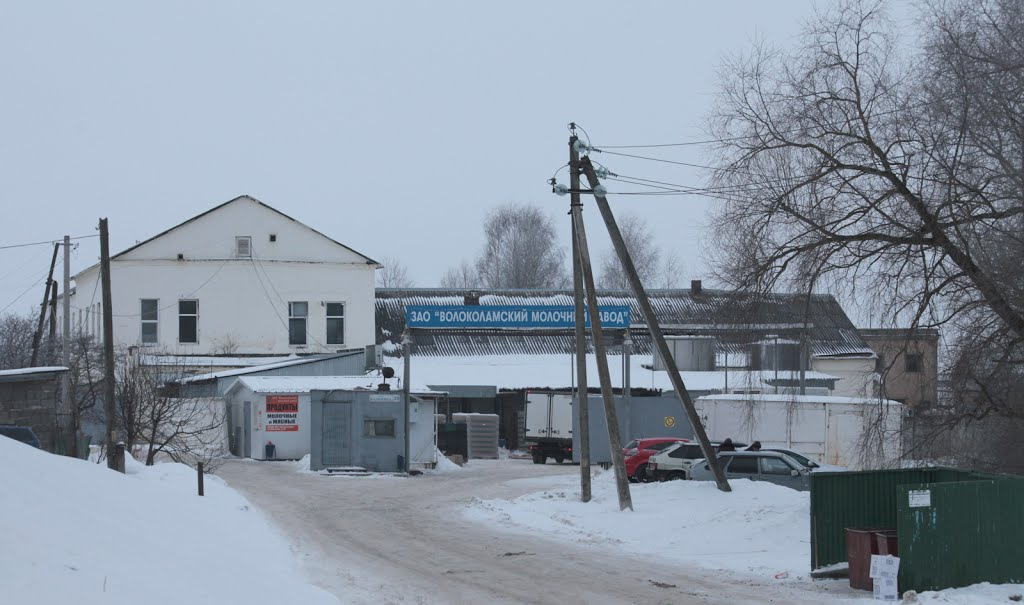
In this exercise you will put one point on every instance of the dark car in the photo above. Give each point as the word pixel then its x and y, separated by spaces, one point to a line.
pixel 24 434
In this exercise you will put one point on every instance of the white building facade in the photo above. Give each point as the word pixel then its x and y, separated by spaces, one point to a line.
pixel 239 279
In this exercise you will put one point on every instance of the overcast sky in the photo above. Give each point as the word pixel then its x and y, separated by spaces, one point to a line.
pixel 392 127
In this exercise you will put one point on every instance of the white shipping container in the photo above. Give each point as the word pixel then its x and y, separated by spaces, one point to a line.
pixel 855 433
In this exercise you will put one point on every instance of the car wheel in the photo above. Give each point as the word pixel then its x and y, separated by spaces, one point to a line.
pixel 676 476
pixel 539 459
pixel 559 459
pixel 640 476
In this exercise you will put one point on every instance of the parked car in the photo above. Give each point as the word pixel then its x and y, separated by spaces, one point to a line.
pixel 638 451
pixel 764 465
pixel 674 461
pixel 811 464
pixel 24 434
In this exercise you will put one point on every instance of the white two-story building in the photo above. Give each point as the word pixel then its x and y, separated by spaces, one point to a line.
pixel 239 279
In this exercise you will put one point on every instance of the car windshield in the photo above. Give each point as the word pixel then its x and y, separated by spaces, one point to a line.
pixel 632 444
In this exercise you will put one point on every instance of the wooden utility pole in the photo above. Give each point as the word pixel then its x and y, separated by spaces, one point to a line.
pixel 65 348
pixel 655 329
pixel 612 418
pixel 108 342
pixel 53 313
pixel 38 335
pixel 582 398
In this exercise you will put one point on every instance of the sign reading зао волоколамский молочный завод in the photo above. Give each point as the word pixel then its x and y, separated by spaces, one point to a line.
pixel 487 316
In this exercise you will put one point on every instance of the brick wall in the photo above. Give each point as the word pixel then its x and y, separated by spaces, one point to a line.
pixel 34 403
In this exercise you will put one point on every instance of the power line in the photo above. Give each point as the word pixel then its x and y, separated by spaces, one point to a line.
pixel 50 242
pixel 27 290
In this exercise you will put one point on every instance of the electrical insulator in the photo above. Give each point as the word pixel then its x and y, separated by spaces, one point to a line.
pixel 602 173
pixel 580 147
pixel 561 189
pixel 600 191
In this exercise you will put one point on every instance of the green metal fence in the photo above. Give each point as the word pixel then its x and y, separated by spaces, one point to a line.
pixel 860 499
pixel 960 533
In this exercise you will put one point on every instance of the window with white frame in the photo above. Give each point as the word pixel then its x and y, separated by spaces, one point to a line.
pixel 148 310
pixel 188 321
pixel 298 313
pixel 335 323
pixel 243 246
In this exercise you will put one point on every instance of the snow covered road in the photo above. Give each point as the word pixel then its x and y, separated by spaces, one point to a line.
pixel 377 539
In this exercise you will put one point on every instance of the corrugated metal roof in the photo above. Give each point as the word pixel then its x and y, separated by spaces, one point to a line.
pixel 305 384
pixel 736 319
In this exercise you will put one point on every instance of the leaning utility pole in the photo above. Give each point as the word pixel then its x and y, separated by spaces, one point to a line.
pixel 108 343
pixel 582 397
pixel 65 349
pixel 38 335
pixel 652 325
pixel 612 418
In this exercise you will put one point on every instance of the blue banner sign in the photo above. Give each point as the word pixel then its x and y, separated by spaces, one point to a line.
pixel 494 316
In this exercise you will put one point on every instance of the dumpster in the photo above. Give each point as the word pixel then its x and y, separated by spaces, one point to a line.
pixel 861 543
pixel 886 543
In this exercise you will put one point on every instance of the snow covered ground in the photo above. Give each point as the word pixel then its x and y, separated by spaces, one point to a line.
pixel 760 530
pixel 76 532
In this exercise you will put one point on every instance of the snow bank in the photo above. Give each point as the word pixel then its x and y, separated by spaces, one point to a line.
pixel 444 465
pixel 759 528
pixel 85 534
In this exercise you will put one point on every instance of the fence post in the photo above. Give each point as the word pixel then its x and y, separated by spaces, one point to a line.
pixel 199 471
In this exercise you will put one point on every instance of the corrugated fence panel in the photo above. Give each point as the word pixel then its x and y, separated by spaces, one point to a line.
pixel 971 531
pixel 854 499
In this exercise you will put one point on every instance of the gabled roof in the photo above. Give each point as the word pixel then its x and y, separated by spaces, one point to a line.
pixel 369 260
pixel 255 369
pixel 735 319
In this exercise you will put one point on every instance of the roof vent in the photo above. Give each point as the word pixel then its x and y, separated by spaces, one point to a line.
pixel 695 286
pixel 471 299
pixel 383 387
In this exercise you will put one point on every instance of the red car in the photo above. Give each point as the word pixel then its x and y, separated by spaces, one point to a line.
pixel 638 451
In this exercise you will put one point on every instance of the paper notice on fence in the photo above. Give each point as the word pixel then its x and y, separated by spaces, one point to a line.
pixel 920 498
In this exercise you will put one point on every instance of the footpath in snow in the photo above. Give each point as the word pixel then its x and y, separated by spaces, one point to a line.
pixel 760 530
pixel 76 532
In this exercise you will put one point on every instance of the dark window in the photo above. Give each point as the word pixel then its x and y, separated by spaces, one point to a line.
pixel 657 447
pixel 378 428
pixel 746 465
pixel 775 466
pixel 188 321
pixel 297 313
pixel 915 362
pixel 689 452
pixel 149 320
pixel 335 323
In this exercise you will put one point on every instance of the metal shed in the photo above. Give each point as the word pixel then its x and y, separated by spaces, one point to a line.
pixel 362 428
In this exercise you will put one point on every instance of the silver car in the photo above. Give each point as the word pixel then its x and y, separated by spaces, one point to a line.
pixel 774 467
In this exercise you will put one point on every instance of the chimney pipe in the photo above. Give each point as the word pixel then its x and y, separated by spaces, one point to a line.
pixel 695 286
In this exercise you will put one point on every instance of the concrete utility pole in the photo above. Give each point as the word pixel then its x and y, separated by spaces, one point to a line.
pixel 612 418
pixel 108 343
pixel 65 342
pixel 582 398
pixel 38 335
pixel 655 329
pixel 406 391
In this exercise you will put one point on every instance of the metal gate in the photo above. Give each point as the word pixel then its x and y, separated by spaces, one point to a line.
pixel 337 445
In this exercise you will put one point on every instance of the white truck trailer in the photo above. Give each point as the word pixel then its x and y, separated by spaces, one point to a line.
pixel 856 433
pixel 549 426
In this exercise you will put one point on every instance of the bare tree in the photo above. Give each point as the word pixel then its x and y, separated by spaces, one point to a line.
pixel 646 255
pixel 16 333
pixel 157 417
pixel 899 183
pixel 521 250
pixel 393 274
pixel 460 277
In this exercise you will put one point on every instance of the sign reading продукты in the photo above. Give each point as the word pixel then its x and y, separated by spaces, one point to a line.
pixel 494 316
pixel 282 412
